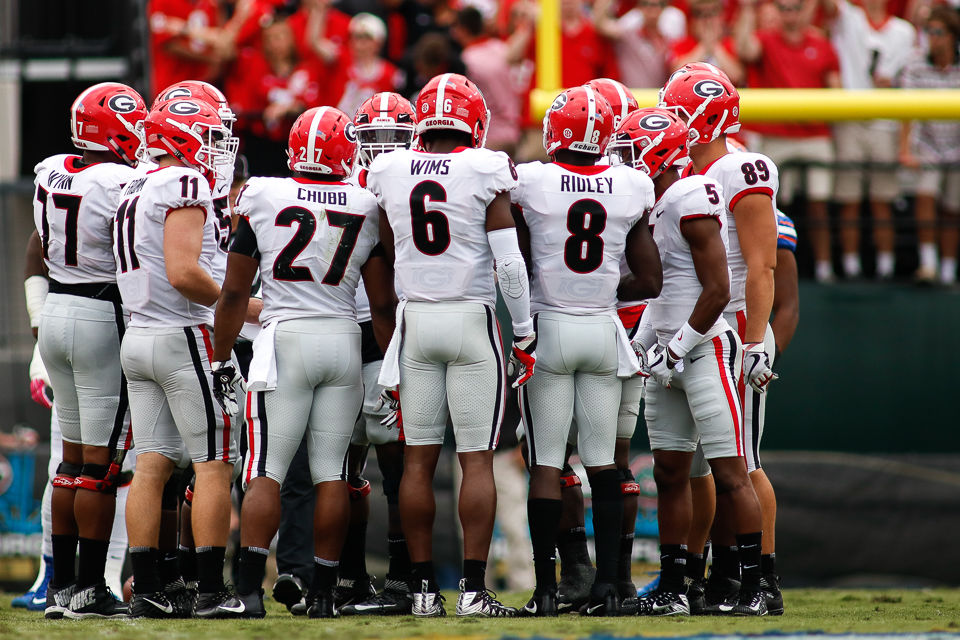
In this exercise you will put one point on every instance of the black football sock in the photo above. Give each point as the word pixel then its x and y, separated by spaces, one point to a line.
pixel 169 567
pixel 399 558
pixel 726 562
pixel 93 560
pixel 572 545
pixel 146 573
pixel 749 545
pixel 474 575
pixel 696 565
pixel 625 564
pixel 188 563
pixel 324 575
pixel 353 557
pixel 543 515
pixel 768 564
pixel 253 561
pixel 607 514
pixel 423 571
pixel 210 569
pixel 64 560
pixel 673 566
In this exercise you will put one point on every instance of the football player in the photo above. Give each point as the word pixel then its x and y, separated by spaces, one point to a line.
pixel 705 99
pixel 166 246
pixel 310 237
pixel 577 219
pixel 385 122
pixel 446 222
pixel 79 338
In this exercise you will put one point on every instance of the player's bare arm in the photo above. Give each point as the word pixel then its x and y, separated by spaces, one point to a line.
pixel 377 275
pixel 386 236
pixel 523 232
pixel 233 303
pixel 710 261
pixel 757 228
pixel 786 300
pixel 646 278
pixel 182 244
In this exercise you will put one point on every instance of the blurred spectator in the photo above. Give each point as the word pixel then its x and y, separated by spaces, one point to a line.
pixel 367 73
pixel 708 41
pixel 432 55
pixel 930 142
pixel 486 61
pixel 182 37
pixel 270 89
pixel 244 20
pixel 872 46
pixel 794 55
pixel 642 39
pixel 410 20
pixel 321 34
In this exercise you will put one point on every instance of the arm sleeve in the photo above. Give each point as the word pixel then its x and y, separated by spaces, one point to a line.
pixel 244 241
pixel 512 275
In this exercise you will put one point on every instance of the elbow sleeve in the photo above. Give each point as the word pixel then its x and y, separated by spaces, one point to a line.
pixel 512 276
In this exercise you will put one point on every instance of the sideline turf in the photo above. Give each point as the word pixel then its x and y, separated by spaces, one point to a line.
pixel 808 610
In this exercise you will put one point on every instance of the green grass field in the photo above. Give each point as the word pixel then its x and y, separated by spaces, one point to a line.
pixel 807 610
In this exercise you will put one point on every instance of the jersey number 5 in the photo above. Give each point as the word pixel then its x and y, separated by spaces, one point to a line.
pixel 283 267
pixel 583 251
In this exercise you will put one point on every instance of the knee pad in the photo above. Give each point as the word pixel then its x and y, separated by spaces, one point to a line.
pixel 100 478
pixel 358 488
pixel 67 475
pixel 628 484
pixel 569 478
pixel 168 501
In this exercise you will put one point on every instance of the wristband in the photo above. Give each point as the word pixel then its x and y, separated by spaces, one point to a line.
pixel 523 329
pixel 684 340
pixel 35 288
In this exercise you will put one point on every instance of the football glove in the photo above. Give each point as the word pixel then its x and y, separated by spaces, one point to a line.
pixel 390 398
pixel 641 352
pixel 662 364
pixel 756 366
pixel 225 376
pixel 523 357
pixel 40 390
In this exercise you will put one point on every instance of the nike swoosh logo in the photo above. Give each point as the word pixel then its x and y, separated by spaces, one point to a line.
pixel 40 600
pixel 595 607
pixel 365 607
pixel 532 609
pixel 692 360
pixel 239 609
pixel 166 609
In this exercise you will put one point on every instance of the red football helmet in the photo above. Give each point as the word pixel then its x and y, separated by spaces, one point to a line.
pixel 580 119
pixel 651 140
pixel 384 122
pixel 199 90
pixel 192 132
pixel 322 140
pixel 703 96
pixel 618 95
pixel 451 101
pixel 105 117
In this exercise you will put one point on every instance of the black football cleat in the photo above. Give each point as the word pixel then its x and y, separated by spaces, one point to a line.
pixel 663 603
pixel 151 605
pixel 322 605
pixel 58 601
pixel 770 584
pixel 750 603
pixel 208 604
pixel 394 600
pixel 603 601
pixel 542 604
pixel 96 602
pixel 248 605
pixel 353 590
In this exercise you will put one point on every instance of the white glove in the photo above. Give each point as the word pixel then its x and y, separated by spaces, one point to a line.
pixel 641 352
pixel 40 390
pixel 662 364
pixel 756 366
pixel 523 357
pixel 225 376
pixel 390 398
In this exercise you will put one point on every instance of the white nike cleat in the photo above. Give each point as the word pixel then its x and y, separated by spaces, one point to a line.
pixel 482 604
pixel 427 603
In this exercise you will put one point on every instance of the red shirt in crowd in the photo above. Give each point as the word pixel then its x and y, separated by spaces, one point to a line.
pixel 361 84
pixel 336 29
pixel 805 65
pixel 688 43
pixel 164 18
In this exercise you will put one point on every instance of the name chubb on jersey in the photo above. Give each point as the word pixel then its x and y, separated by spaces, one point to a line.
pixel 322 197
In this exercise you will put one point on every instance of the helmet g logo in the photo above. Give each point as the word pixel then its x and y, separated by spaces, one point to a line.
pixel 708 89
pixel 179 92
pixel 184 108
pixel 350 132
pixel 654 122
pixel 558 102
pixel 122 103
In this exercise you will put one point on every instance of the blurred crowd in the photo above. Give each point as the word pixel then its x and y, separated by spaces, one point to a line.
pixel 276 58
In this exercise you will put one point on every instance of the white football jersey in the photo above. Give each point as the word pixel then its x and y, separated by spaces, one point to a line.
pixel 579 218
pixel 437 207
pixel 311 239
pixel 141 266
pixel 688 198
pixel 74 206
pixel 741 174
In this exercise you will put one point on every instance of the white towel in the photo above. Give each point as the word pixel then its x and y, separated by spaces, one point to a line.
pixel 263 365
pixel 627 361
pixel 390 369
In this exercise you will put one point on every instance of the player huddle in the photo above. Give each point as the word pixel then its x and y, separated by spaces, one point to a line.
pixel 377 262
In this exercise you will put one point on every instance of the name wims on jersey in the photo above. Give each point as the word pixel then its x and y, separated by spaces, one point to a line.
pixel 436 205
pixel 579 218
pixel 687 199
pixel 74 206
pixel 311 239
pixel 740 174
pixel 141 267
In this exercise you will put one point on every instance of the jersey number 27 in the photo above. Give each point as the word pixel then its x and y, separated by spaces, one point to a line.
pixel 283 267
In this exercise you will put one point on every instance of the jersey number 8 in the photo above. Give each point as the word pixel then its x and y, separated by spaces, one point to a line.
pixel 583 251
